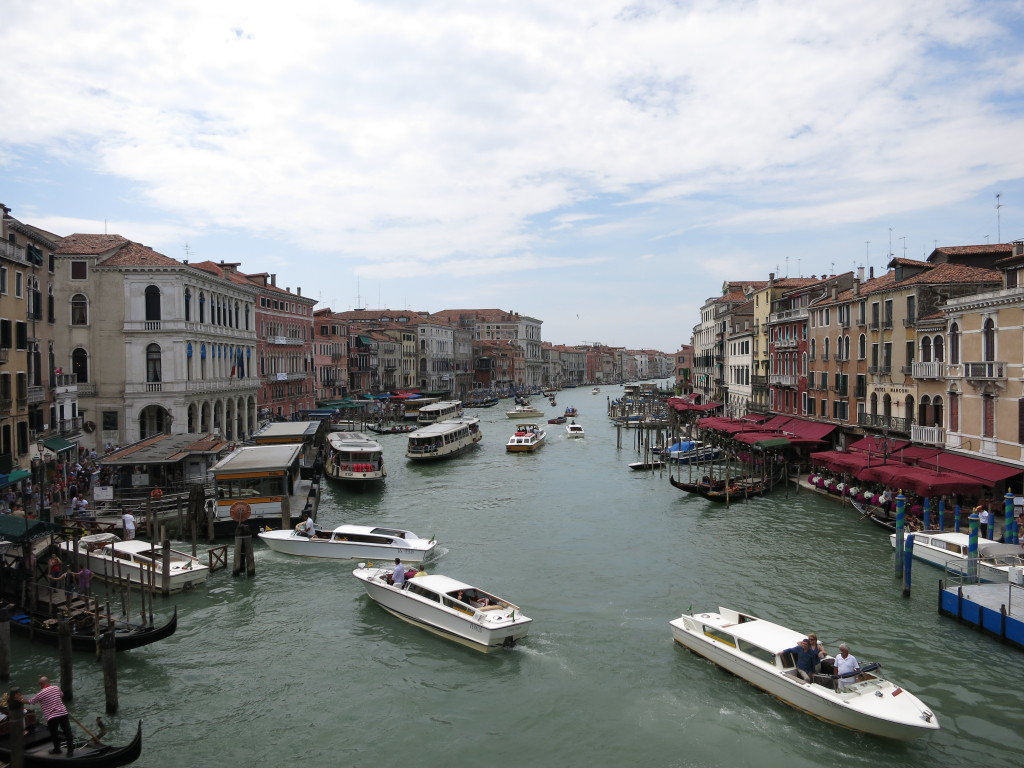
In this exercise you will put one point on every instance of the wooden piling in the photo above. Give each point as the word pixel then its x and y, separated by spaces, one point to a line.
pixel 67 673
pixel 165 576
pixel 16 729
pixel 244 559
pixel 108 659
pixel 5 643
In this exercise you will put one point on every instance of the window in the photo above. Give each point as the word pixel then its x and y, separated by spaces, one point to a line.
pixel 954 344
pixel 3 279
pixel 19 284
pixel 862 344
pixel 188 305
pixel 20 335
pixel 80 365
pixel 989 341
pixel 79 309
pixel 153 363
pixel 79 270
pixel 109 421
pixel 152 303
pixel 926 349
pixel 51 308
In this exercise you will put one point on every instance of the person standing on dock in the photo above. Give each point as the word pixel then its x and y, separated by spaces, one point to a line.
pixel 128 523
pixel 51 700
pixel 985 517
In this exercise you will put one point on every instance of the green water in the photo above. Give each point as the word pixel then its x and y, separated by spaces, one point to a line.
pixel 297 665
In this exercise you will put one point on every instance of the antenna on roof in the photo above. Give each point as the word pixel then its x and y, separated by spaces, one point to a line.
pixel 188 253
pixel 890 242
pixel 867 253
pixel 999 230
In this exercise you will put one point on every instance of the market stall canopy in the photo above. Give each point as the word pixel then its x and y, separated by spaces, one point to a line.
pixel 14 477
pixel 21 529
pixel 877 445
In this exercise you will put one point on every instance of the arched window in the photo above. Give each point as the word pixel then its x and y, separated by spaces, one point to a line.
pixel 846 348
pixel 824 348
pixel 908 408
pixel 814 348
pixel 937 415
pixel 874 404
pixel 989 341
pixel 938 349
pixel 923 411
pixel 188 305
pixel 152 303
pixel 247 317
pixel 51 306
pixel 236 314
pixel 954 344
pixel 202 307
pixel 887 407
pixel 80 365
pixel 79 309
pixel 862 347
pixel 153 363
pixel 926 349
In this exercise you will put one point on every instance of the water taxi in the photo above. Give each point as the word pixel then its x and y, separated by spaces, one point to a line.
pixel 440 411
pixel 137 563
pixel 352 542
pixel 527 437
pixel 574 430
pixel 752 648
pixel 443 439
pixel 447 608
pixel 354 458
pixel 950 550
pixel 571 412
pixel 524 412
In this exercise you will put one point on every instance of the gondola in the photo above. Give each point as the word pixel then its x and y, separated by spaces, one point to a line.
pixel 877 515
pixel 90 754
pixel 741 488
pixel 713 485
pixel 126 636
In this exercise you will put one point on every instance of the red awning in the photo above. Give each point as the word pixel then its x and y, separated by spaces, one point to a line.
pixel 841 462
pixel 776 422
pixel 874 444
pixel 809 430
pixel 920 455
pixel 986 470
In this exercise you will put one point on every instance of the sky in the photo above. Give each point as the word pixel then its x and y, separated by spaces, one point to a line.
pixel 601 166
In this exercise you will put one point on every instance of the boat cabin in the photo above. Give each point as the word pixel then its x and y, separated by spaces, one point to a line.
pixel 308 434
pixel 267 478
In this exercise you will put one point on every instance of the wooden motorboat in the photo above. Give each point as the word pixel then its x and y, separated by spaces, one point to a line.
pixel 353 542
pixel 751 648
pixel 691 452
pixel 443 439
pixel 640 466
pixel 574 430
pixel 448 608
pixel 557 420
pixel 571 412
pixel 38 625
pixel 354 459
pixel 138 563
pixel 950 550
pixel 524 412
pixel 88 754
pixel 526 438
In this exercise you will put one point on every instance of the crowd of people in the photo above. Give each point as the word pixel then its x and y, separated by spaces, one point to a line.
pixel 64 492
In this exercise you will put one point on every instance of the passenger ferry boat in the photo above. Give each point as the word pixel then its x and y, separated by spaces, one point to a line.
pixel 413 406
pixel 526 438
pixel 262 486
pixel 354 458
pixel 308 434
pixel 440 411
pixel 443 439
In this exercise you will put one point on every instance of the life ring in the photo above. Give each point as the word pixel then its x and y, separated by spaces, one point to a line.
pixel 156 494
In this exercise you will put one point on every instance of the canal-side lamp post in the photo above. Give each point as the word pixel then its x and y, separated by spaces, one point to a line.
pixel 901 505
pixel 974 521
pixel 1008 522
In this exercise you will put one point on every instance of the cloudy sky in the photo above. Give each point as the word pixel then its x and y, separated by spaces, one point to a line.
pixel 601 165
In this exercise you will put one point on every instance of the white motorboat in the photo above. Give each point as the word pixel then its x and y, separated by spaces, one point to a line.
pixel 354 458
pixel 137 563
pixel 353 542
pixel 949 550
pixel 751 648
pixel 443 439
pixel 574 430
pixel 448 608
pixel 526 438
pixel 595 391
pixel 524 412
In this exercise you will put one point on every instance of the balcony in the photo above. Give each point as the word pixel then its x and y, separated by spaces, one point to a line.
pixel 887 324
pixel 86 389
pixel 759 382
pixel 69 426
pixel 4 352
pixel 151 325
pixel 21 401
pixel 786 344
pixel 285 340
pixel 931 370
pixel 928 435
pixel 5 404
pixel 782 379
pixel 790 314
pixel 36 395
pixel 874 325
pixel 986 371
pixel 909 322
pixel 892 423
pixel 872 369
pixel 885 370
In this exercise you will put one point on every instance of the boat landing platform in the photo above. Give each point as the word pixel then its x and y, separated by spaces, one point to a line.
pixel 997 609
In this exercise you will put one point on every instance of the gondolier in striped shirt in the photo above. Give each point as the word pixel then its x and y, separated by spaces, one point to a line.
pixel 51 700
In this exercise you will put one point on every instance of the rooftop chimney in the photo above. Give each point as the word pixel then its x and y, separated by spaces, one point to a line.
pixel 273 278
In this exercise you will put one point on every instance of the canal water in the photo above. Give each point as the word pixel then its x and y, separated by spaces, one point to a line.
pixel 298 666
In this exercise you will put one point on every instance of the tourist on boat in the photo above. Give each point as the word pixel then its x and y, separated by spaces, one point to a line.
pixel 806 659
pixel 847 666
pixel 128 523
pixel 398 574
pixel 51 700
pixel 824 663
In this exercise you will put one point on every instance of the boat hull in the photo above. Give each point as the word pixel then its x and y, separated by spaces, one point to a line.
pixel 948 561
pixel 185 573
pixel 288 543
pixel 894 718
pixel 125 638
pixel 37 743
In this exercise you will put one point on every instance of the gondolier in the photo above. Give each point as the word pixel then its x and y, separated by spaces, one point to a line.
pixel 51 700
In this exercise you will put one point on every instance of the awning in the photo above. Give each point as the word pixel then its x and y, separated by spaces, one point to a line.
pixel 809 430
pixel 876 444
pixel 59 444
pixel 776 423
pixel 986 470
pixel 365 341
pixel 14 477
pixel 19 529
pixel 842 462
pixel 920 455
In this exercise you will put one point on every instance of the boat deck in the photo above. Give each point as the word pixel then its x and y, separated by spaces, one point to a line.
pixel 997 609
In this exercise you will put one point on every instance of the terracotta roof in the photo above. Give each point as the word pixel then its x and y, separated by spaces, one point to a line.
pixel 135 255
pixel 480 315
pixel 89 245
pixel 1006 248
pixel 909 263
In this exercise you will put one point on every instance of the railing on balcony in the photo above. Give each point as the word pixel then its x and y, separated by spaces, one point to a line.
pixel 5 404
pixel 21 401
pixel 36 395
pixel 909 322
pixel 65 380
pixel 985 370
pixel 86 389
pixel 893 423
pixel 930 370
pixel 789 314
pixel 152 325
pixel 759 381
pixel 873 325
pixel 66 426
pixel 785 343
pixel 928 435
pixel 782 379
pixel 4 352
pixel 886 323
pixel 885 370
pixel 872 369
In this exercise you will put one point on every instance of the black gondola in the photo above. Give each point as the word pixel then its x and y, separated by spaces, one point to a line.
pixel 126 636
pixel 87 755
pixel 396 429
